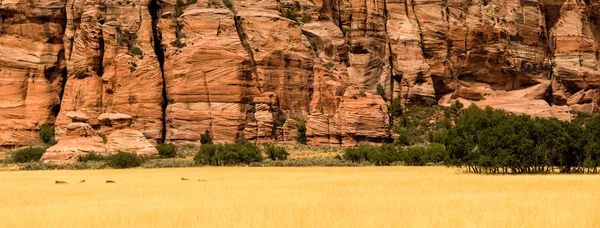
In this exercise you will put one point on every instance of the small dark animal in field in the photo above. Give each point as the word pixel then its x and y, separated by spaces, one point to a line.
pixel 110 182
pixel 184 179
pixel 82 181
pixel 201 180
pixel 60 182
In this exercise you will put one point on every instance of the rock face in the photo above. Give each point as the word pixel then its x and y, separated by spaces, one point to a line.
pixel 111 64
pixel 242 68
pixel 32 67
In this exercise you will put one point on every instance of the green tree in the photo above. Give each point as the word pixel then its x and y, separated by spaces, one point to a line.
pixel 206 138
pixel 395 108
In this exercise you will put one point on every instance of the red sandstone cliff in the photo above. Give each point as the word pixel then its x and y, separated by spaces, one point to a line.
pixel 239 68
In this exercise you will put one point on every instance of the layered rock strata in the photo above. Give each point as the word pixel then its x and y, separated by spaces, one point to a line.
pixel 126 139
pixel 81 139
pixel 252 68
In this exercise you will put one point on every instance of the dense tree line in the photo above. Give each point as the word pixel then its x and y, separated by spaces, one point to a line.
pixel 493 141
pixel 397 153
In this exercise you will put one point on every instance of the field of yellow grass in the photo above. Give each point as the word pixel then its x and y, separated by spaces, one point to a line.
pixel 297 197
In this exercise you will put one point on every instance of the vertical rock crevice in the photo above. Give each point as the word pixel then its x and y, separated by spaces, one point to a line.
pixel 154 8
pixel 389 46
pixel 242 35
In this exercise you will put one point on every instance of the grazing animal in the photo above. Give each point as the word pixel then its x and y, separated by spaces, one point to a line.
pixel 60 182
pixel 184 179
pixel 82 181
pixel 110 182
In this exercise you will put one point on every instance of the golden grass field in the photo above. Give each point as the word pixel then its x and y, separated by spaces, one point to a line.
pixel 297 197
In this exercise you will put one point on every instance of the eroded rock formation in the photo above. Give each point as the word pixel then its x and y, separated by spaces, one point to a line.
pixel 79 140
pixel 126 139
pixel 242 68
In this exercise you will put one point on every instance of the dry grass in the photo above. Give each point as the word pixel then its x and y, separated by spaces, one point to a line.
pixel 308 151
pixel 297 197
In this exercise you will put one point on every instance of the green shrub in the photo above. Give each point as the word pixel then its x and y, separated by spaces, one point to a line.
pixel 438 136
pixel 291 14
pixel 136 51
pixel 47 134
pixel 415 155
pixel 229 5
pixel 206 138
pixel 395 108
pixel 381 91
pixel 241 140
pixel 276 152
pixel 430 101
pixel 93 156
pixel 457 105
pixel 28 154
pixel 306 18
pixel 358 154
pixel 410 136
pixel 228 154
pixel 301 138
pixel 122 160
pixel 329 65
pixel 437 152
pixel 166 150
pixel 103 136
pixel 446 123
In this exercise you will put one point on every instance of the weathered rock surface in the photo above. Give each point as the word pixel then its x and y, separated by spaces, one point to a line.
pixel 362 117
pixel 126 139
pixel 131 141
pixel 112 65
pixel 32 67
pixel 80 139
pixel 242 68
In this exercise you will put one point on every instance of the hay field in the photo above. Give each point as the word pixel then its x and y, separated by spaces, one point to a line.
pixel 297 197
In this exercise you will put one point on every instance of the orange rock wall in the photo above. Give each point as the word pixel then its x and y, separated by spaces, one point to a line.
pixel 240 68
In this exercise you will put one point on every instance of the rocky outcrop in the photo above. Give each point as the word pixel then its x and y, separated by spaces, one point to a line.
pixel 126 139
pixel 79 140
pixel 242 68
pixel 361 118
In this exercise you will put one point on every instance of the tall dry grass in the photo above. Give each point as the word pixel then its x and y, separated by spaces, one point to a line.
pixel 297 197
